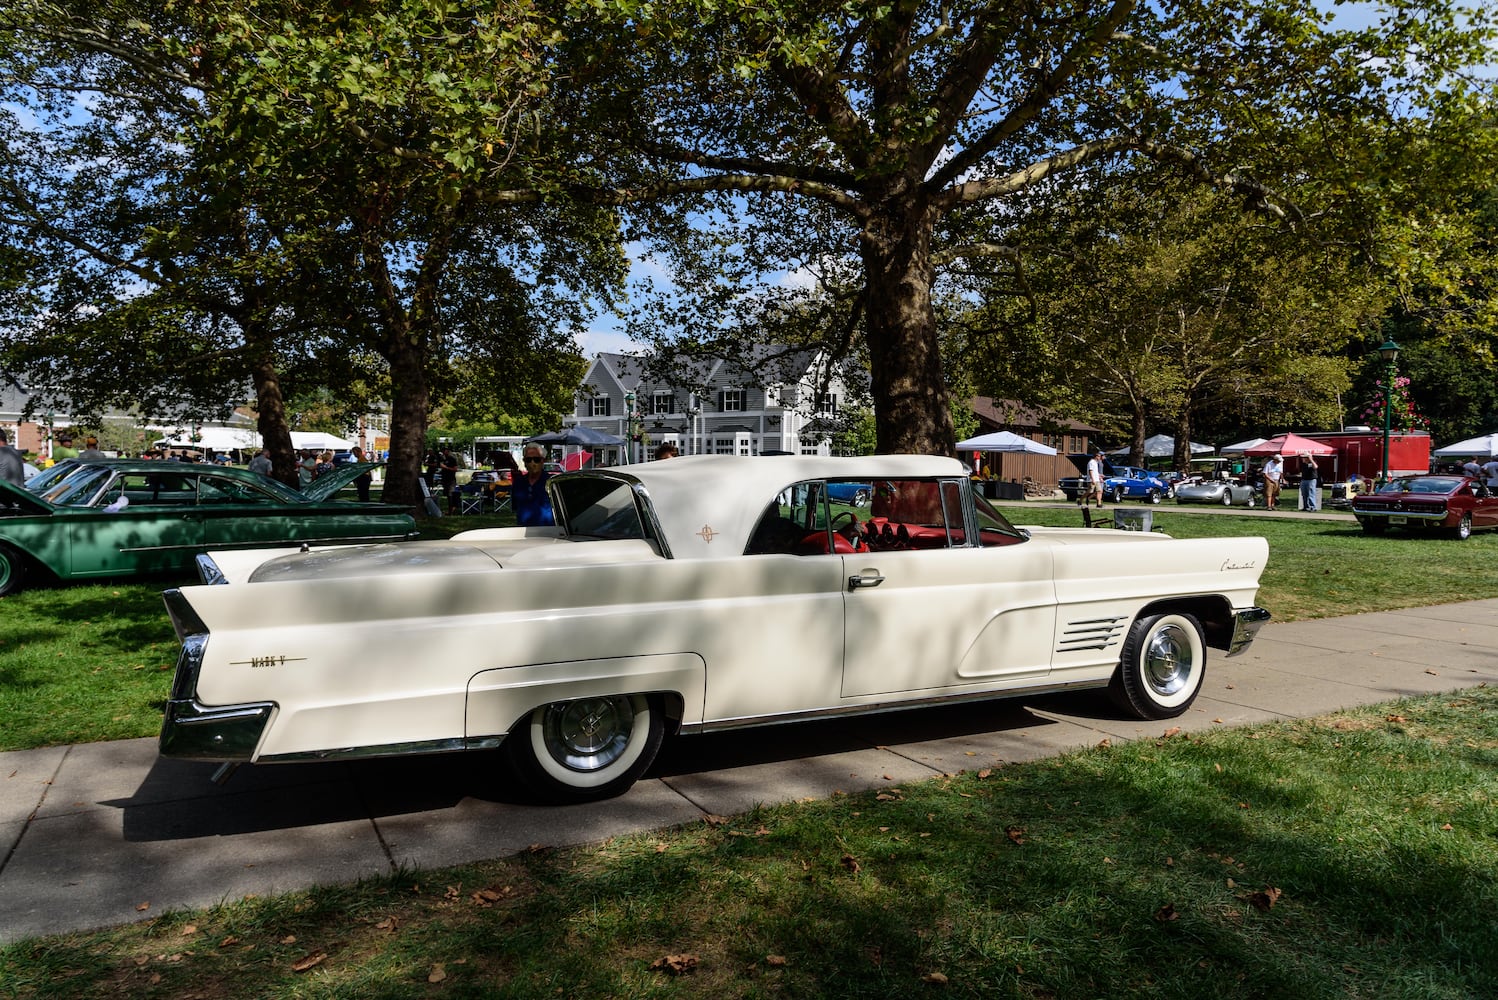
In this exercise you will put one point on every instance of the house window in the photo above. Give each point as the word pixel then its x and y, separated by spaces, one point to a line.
pixel 827 403
pixel 598 406
pixel 662 402
pixel 731 400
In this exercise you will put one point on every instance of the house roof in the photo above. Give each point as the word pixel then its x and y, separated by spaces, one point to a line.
pixel 1006 414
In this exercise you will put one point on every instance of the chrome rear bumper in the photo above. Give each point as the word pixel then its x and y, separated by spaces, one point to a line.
pixel 1246 625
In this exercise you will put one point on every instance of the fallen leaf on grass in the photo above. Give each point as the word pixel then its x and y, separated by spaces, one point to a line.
pixel 388 924
pixel 1015 833
pixel 676 965
pixel 311 961
pixel 777 961
pixel 712 820
pixel 984 773
pixel 934 978
pixel 1167 913
pixel 228 942
pixel 1264 900
pixel 851 863
pixel 490 895
pixel 437 974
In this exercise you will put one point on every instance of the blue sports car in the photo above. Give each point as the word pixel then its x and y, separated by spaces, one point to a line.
pixel 1125 482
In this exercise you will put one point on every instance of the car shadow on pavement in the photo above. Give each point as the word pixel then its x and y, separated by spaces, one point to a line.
pixel 177 800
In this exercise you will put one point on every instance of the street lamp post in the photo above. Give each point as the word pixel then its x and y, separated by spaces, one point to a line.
pixel 631 422
pixel 1389 351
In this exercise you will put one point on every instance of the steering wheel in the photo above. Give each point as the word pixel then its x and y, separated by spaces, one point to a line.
pixel 849 529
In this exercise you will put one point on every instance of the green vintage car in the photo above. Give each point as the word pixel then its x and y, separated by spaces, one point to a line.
pixel 122 518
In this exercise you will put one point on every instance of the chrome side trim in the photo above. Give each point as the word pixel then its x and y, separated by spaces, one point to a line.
pixel 451 745
pixel 1246 625
pixel 880 709
pixel 263 543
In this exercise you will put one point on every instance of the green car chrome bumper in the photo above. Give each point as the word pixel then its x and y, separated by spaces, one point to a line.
pixel 1246 625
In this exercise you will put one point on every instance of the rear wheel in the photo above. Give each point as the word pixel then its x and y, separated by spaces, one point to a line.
pixel 1154 496
pixel 586 749
pixel 12 570
pixel 1160 672
pixel 1463 529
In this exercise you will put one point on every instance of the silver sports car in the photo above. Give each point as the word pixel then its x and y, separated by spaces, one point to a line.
pixel 1218 491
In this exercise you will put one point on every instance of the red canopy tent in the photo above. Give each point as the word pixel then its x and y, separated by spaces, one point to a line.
pixel 1289 444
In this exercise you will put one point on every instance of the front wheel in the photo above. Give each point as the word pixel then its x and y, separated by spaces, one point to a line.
pixel 12 570
pixel 1117 495
pixel 587 749
pixel 1227 498
pixel 1160 672
pixel 1373 526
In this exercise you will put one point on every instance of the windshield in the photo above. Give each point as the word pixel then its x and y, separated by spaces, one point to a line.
pixel 994 528
pixel 1422 484
pixel 78 488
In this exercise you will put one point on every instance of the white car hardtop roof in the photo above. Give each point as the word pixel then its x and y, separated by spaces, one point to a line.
pixel 726 494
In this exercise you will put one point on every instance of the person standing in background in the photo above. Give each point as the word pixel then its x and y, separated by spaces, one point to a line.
pixel 362 484
pixel 1310 484
pixel 64 449
pixel 1274 473
pixel 528 497
pixel 12 462
pixel 91 452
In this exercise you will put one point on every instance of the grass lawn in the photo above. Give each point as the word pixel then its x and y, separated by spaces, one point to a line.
pixel 86 663
pixel 1349 856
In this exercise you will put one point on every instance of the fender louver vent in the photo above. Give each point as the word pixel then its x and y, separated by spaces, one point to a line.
pixel 1090 633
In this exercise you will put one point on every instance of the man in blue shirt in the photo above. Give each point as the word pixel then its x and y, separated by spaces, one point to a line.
pixel 528 497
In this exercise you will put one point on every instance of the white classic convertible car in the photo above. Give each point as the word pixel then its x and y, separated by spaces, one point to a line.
pixel 686 596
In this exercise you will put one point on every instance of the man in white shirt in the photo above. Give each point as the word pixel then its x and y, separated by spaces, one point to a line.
pixel 1491 472
pixel 1094 484
pixel 1274 471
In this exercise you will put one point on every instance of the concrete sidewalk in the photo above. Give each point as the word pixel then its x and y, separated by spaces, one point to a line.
pixel 106 833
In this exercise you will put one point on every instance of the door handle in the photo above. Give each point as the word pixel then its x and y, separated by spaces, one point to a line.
pixel 872 578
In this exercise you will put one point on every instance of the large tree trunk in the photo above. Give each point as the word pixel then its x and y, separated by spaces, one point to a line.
pixel 409 403
pixel 1136 442
pixel 270 406
pixel 1182 456
pixel 911 411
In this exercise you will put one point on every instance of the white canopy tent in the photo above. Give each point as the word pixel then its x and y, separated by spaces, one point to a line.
pixel 1005 441
pixel 1163 446
pixel 246 439
pixel 1241 446
pixel 214 438
pixel 317 441
pixel 1487 444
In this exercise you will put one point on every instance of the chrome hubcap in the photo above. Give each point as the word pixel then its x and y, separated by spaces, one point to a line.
pixel 1168 662
pixel 588 734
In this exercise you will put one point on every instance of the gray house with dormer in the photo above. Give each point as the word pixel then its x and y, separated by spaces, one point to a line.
pixel 777 400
